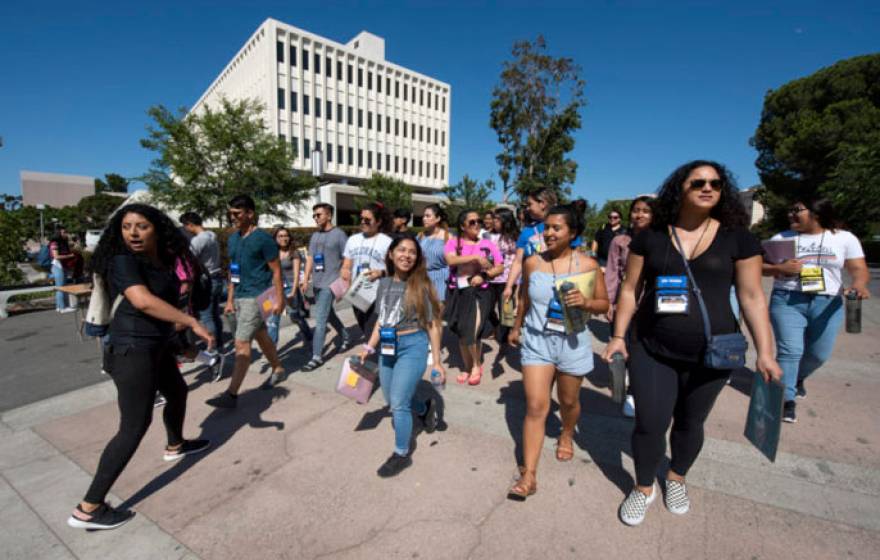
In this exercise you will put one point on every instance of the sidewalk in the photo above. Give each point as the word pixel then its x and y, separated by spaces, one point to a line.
pixel 292 475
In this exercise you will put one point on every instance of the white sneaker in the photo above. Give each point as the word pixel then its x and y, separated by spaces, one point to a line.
pixel 629 407
pixel 677 500
pixel 633 509
pixel 67 310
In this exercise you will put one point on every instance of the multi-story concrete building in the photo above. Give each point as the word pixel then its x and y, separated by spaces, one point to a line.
pixel 347 112
pixel 54 189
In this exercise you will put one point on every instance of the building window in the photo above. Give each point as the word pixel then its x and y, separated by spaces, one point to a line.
pixel 360 118
pixel 293 56
pixel 421 97
pixel 305 61
pixel 317 108
pixel 421 130
pixel 420 168
pixel 369 80
pixel 405 91
pixel 318 147
pixel 281 98
pixel 397 127
pixel 369 160
pixel 350 74
pixel 379 155
pixel 350 155
pixel 282 137
pixel 443 138
pixel 339 113
pixel 305 105
pixel 378 122
pixel 360 77
pixel 317 63
pixel 404 129
pixel 387 125
pixel 329 116
pixel 435 170
pixel 442 172
pixel 396 164
pixel 350 116
pixel 396 89
pixel 328 66
pixel 338 69
pixel 294 143
pixel 306 148
pixel 369 120
pixel 293 106
pixel 329 153
pixel 444 104
pixel 360 157
pixel 435 136
pixel 413 166
pixel 339 155
pixel 279 51
pixel 429 100
pixel 404 166
pixel 378 83
pixel 428 136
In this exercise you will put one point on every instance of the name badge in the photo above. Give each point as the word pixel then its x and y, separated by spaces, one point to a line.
pixel 319 262
pixel 462 282
pixel 555 315
pixel 671 295
pixel 388 341
pixel 234 273
pixel 812 279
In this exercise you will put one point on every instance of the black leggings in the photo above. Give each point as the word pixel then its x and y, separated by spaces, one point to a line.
pixel 138 374
pixel 366 320
pixel 669 391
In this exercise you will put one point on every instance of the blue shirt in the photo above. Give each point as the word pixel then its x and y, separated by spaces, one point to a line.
pixel 531 240
pixel 252 254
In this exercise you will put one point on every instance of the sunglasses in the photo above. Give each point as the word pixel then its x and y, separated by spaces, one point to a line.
pixel 367 221
pixel 471 222
pixel 698 184
pixel 613 217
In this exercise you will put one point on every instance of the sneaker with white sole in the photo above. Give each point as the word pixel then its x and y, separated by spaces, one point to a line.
pixel 629 407
pixel 676 499
pixel 633 509
pixel 188 447
pixel 105 517
pixel 788 412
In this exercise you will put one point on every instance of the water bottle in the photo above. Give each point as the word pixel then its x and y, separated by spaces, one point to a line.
pixel 853 312
pixel 436 380
pixel 576 316
pixel 618 377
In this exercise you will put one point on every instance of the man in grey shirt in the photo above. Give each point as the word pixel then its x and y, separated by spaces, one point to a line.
pixel 206 249
pixel 322 269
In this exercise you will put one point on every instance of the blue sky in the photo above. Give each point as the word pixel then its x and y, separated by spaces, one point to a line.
pixel 666 81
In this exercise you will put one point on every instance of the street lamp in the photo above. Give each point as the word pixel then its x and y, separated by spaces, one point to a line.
pixel 41 207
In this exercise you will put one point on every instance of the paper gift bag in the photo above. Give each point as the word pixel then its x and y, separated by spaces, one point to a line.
pixel 356 380
pixel 363 292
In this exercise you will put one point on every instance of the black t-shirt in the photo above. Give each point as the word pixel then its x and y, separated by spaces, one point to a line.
pixel 681 337
pixel 604 237
pixel 129 325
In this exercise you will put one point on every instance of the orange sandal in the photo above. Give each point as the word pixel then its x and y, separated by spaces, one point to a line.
pixel 564 453
pixel 476 380
pixel 521 489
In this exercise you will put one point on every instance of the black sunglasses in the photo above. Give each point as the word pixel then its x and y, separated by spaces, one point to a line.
pixel 698 184
pixel 472 222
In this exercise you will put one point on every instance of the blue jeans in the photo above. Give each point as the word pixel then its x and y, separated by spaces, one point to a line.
pixel 399 375
pixel 805 327
pixel 273 325
pixel 60 297
pixel 210 316
pixel 323 313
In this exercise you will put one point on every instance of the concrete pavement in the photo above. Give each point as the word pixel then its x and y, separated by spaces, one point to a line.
pixel 292 475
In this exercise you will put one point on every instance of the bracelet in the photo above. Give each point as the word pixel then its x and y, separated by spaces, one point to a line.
pixel 618 336
pixel 369 349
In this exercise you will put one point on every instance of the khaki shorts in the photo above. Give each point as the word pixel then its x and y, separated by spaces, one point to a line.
pixel 248 319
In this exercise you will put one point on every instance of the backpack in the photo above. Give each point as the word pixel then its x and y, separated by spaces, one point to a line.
pixel 200 293
pixel 44 257
pixel 100 312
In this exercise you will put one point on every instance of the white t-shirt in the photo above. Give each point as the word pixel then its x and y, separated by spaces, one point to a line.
pixel 830 252
pixel 366 253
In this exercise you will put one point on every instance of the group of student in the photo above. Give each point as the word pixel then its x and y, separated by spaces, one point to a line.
pixel 663 283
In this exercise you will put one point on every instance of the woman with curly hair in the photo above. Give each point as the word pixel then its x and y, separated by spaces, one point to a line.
pixel 698 218
pixel 136 259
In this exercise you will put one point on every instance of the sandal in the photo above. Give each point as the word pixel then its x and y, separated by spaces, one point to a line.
pixel 521 489
pixel 564 453
pixel 462 378
pixel 476 380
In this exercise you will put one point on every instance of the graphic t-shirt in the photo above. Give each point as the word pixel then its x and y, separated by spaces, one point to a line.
pixel 508 252
pixel 252 254
pixel 205 248
pixel 483 247
pixel 830 252
pixel 366 253
pixel 391 306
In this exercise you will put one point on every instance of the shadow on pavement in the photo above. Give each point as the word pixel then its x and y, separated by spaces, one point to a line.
pixel 219 427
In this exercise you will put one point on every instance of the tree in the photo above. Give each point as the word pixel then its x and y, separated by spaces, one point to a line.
pixel 93 212
pixel 392 193
pixel 10 202
pixel 818 136
pixel 206 158
pixel 112 182
pixel 11 243
pixel 595 220
pixel 467 194
pixel 534 111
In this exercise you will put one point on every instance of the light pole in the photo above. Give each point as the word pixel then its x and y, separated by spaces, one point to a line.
pixel 41 207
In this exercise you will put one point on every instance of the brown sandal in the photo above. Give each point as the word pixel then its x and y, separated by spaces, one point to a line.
pixel 564 453
pixel 521 489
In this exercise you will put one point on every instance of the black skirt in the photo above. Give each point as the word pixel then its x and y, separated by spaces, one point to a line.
pixel 463 308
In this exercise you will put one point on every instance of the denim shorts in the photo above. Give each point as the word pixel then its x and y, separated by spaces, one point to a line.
pixel 248 319
pixel 571 354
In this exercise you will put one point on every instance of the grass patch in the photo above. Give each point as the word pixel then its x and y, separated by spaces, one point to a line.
pixel 20 298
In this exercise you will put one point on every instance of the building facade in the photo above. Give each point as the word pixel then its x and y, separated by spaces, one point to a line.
pixel 54 189
pixel 346 111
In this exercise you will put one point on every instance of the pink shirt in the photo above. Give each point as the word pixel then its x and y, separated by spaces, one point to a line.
pixel 482 247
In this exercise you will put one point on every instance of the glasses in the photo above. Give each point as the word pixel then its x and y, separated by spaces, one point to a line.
pixel 471 223
pixel 796 210
pixel 698 184
pixel 366 221
pixel 613 217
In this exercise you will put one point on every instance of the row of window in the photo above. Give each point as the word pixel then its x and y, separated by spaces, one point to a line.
pixel 416 94
pixel 424 168
pixel 439 136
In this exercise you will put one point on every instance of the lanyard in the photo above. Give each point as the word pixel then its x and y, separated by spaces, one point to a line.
pixel 571 258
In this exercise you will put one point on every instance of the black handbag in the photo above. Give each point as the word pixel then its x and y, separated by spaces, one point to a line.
pixel 723 351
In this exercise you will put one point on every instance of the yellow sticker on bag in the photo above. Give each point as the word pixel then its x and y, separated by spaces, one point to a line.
pixel 352 379
pixel 267 305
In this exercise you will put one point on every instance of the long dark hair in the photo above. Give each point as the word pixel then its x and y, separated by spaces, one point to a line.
pixel 171 244
pixel 381 214
pixel 574 217
pixel 822 211
pixel 291 246
pixel 418 285
pixel 509 227
pixel 729 211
